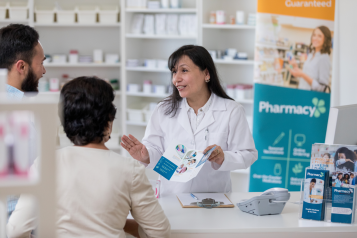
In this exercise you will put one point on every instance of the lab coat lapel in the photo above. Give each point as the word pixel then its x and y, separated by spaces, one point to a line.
pixel 183 119
pixel 208 119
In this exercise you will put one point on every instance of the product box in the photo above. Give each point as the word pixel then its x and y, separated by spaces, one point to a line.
pixel 315 185
pixel 343 205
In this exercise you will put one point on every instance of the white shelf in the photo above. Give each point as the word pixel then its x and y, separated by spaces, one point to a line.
pixel 76 25
pixel 270 46
pixel 13 21
pixel 245 62
pixel 151 95
pixel 135 123
pixel 162 10
pixel 78 65
pixel 227 26
pixel 145 69
pixel 13 181
pixel 171 37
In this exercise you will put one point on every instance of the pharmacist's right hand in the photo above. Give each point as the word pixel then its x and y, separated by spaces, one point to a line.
pixel 135 148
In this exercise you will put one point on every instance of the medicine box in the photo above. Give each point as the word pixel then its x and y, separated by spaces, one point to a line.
pixel 108 14
pixel 18 10
pixel 45 15
pixel 135 112
pixel 66 16
pixel 87 14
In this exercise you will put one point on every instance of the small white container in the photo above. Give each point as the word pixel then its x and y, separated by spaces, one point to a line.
pixel 150 63
pixel 240 18
pixel 54 84
pixel 66 16
pixel 111 58
pixel 239 92
pixel 165 4
pixel 231 91
pixel 147 86
pixel 59 59
pixel 242 55
pixel 3 7
pixel 175 3
pixel 45 15
pixel 108 14
pixel 213 54
pixel 43 85
pixel 161 64
pixel 153 5
pixel 159 89
pixel 133 88
pixel 18 10
pixel 73 57
pixel 98 56
pixel 135 112
pixel 132 62
pixel 87 15
pixel 220 17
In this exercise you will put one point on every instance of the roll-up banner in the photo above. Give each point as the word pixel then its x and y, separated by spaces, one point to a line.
pixel 292 75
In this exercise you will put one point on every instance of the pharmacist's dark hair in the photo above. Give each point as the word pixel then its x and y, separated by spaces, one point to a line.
pixel 17 42
pixel 349 166
pixel 327 45
pixel 86 108
pixel 313 180
pixel 200 57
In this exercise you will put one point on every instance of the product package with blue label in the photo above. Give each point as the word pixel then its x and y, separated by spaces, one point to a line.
pixel 315 184
pixel 181 164
pixel 343 205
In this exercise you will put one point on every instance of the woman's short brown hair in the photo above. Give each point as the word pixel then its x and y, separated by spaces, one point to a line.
pixel 326 47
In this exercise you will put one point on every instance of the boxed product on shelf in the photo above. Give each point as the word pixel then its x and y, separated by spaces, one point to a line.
pixel 149 23
pixel 187 24
pixel 108 14
pixel 171 24
pixel 18 10
pixel 147 86
pixel 132 63
pixel 137 24
pixel 45 15
pixel 160 24
pixel 133 88
pixel 135 112
pixel 87 14
pixel 148 110
pixel 159 89
pixel 161 64
pixel 66 16
pixel 153 4
pixel 59 58
pixel 98 56
pixel 73 57
pixel 150 63
pixel 136 3
pixel 85 59
pixel 43 85
pixel 3 8
pixel 111 58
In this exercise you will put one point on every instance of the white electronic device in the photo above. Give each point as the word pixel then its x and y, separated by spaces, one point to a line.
pixel 271 202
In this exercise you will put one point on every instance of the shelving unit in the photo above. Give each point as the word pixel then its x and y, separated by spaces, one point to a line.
pixel 174 37
pixel 227 26
pixel 82 65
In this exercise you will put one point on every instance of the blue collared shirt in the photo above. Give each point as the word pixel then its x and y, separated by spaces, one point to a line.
pixel 13 92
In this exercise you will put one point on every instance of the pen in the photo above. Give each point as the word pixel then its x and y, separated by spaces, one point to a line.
pixel 206 133
pixel 194 196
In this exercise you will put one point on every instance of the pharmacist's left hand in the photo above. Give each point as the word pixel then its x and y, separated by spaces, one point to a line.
pixel 217 155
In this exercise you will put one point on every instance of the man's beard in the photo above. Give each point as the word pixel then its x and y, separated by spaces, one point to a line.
pixel 30 83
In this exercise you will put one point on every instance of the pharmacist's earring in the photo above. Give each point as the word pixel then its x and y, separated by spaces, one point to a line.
pixel 207 80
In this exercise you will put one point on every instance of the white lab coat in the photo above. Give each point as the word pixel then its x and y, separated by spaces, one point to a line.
pixel 227 127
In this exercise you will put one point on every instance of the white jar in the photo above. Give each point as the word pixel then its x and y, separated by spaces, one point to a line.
pixel 240 17
pixel 220 17
pixel 239 92
pixel 54 84
pixel 230 90
pixel 159 89
pixel 147 87
pixel 73 57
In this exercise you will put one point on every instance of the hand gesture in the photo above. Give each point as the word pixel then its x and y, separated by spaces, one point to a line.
pixel 217 155
pixel 135 148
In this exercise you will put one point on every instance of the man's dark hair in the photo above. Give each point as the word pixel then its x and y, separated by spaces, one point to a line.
pixel 17 42
pixel 313 180
pixel 86 109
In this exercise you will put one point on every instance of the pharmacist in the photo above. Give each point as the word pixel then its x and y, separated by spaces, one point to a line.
pixel 200 115
pixel 316 71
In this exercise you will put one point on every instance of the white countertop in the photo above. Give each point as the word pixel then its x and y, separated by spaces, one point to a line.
pixel 230 221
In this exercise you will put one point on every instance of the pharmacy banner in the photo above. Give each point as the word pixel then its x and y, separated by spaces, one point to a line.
pixel 292 72
pixel 286 123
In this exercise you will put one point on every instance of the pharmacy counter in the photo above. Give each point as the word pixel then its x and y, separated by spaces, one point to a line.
pixel 229 222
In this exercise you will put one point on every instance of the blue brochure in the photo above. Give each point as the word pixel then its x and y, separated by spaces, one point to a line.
pixel 181 164
pixel 314 194
pixel 342 205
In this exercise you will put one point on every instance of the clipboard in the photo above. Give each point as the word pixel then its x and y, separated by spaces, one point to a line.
pixel 211 195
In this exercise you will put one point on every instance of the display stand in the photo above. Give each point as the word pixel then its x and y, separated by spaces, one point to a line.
pixel 328 208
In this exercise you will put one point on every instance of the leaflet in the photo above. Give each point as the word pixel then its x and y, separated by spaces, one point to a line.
pixel 314 194
pixel 340 160
pixel 343 203
pixel 181 164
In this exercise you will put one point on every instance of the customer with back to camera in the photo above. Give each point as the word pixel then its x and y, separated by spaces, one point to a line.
pixel 22 55
pixel 96 188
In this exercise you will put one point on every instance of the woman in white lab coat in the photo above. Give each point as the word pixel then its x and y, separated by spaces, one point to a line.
pixel 200 115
